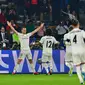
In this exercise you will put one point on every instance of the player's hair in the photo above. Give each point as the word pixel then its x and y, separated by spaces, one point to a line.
pixel 70 27
pixel 23 27
pixel 48 32
pixel 74 22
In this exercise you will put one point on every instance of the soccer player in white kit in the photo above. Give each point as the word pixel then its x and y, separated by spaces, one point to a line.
pixel 68 56
pixel 77 37
pixel 25 49
pixel 47 41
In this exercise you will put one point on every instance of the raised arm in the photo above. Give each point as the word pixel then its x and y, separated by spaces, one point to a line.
pixel 64 13
pixel 10 25
pixel 37 29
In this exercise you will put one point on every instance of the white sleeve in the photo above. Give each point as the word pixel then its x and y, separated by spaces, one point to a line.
pixel 83 32
pixel 65 37
pixel 55 41
pixel 42 40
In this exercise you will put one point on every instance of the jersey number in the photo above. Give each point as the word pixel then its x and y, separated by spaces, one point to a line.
pixel 49 44
pixel 75 39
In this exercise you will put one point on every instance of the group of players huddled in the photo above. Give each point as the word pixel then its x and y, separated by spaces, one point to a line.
pixel 75 49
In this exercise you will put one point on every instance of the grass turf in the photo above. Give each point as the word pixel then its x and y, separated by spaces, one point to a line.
pixel 29 79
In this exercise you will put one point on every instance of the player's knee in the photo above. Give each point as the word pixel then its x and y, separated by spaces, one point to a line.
pixel 66 63
pixel 30 61
pixel 19 61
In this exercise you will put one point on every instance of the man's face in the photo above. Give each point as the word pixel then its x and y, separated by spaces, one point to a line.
pixel 24 30
pixel 2 29
pixel 68 7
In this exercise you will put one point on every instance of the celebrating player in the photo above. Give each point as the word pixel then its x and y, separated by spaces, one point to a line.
pixel 68 56
pixel 25 49
pixel 47 41
pixel 77 39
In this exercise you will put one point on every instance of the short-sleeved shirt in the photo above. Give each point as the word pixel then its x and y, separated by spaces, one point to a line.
pixel 77 37
pixel 68 44
pixel 47 42
pixel 24 41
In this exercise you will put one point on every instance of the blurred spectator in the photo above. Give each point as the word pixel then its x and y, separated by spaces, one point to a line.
pixel 50 11
pixel 34 7
pixel 15 38
pixel 44 8
pixel 10 39
pixel 11 13
pixel 15 41
pixel 28 7
pixel 68 9
pixel 4 39
pixel 74 13
pixel 30 26
pixel 61 29
pixel 2 18
pixel 70 16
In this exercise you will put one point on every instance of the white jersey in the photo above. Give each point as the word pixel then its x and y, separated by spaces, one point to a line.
pixel 24 41
pixel 68 45
pixel 47 42
pixel 77 37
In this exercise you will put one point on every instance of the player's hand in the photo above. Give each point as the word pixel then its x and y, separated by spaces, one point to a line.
pixel 9 23
pixel 42 25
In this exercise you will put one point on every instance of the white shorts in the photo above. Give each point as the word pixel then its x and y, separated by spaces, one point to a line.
pixel 25 53
pixel 68 57
pixel 47 58
pixel 78 58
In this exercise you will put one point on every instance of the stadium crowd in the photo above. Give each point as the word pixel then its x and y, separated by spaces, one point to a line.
pixel 30 16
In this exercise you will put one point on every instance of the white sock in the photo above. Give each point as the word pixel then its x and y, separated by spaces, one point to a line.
pixel 32 67
pixel 79 73
pixel 15 68
pixel 45 65
pixel 51 66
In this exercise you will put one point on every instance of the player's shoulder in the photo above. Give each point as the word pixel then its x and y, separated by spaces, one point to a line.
pixel 76 30
pixel 44 37
pixel 20 34
pixel 52 36
pixel 29 34
pixel 67 34
pixel 82 31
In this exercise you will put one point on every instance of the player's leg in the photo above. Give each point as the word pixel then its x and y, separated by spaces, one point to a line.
pixel 50 64
pixel 83 65
pixel 79 74
pixel 44 63
pixel 21 57
pixel 70 66
pixel 83 70
pixel 29 57
pixel 69 63
pixel 77 62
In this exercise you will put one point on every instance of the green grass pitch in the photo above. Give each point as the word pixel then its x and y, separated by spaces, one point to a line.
pixel 29 79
